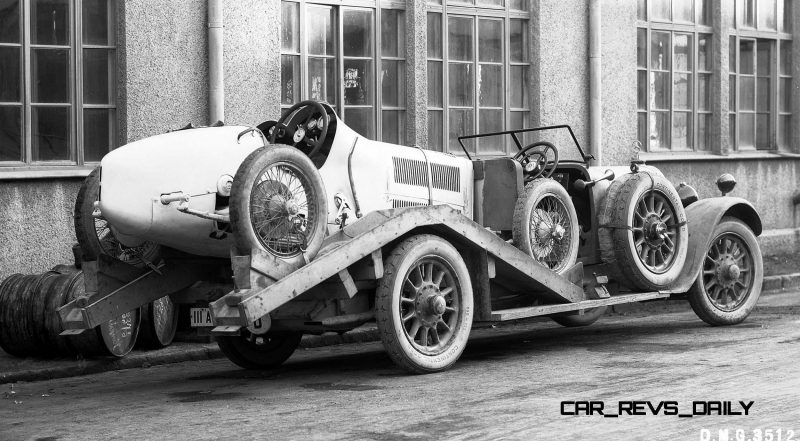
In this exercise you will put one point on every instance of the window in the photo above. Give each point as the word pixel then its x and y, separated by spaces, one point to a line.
pixel 57 81
pixel 366 73
pixel 477 72
pixel 760 75
pixel 674 55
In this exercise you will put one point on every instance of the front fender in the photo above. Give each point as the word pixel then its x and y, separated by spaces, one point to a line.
pixel 703 217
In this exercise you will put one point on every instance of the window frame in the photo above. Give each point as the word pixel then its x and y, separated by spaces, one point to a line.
pixel 77 165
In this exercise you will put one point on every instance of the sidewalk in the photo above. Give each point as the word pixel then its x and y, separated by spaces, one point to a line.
pixel 780 291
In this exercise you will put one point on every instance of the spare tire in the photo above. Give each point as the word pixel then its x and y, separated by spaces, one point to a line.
pixel 643 233
pixel 278 205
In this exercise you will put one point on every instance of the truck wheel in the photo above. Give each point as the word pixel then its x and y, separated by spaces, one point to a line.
pixel 643 233
pixel 546 226
pixel 278 205
pixel 423 304
pixel 252 351
pixel 728 286
pixel 95 236
pixel 573 320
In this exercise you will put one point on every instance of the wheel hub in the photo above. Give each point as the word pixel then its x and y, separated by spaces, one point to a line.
pixel 430 305
pixel 655 231
pixel 727 271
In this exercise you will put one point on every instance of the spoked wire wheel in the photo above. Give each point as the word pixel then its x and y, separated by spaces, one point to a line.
pixel 281 213
pixel 135 256
pixel 728 272
pixel 546 226
pixel 655 230
pixel 429 303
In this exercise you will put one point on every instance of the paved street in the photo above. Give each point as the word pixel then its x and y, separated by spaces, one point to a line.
pixel 509 385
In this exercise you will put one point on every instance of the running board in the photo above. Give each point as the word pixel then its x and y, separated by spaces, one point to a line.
pixel 534 311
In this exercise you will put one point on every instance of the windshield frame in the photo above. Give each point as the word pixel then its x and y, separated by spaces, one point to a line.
pixel 514 136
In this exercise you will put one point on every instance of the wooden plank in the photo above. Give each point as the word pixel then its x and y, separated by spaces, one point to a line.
pixel 477 261
pixel 533 311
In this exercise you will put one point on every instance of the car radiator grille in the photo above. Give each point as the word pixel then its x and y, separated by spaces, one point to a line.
pixel 414 172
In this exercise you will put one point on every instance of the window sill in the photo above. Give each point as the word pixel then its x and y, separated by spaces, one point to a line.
pixel 734 156
pixel 22 173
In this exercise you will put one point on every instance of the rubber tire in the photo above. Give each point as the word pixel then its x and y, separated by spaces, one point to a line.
pixel 387 304
pixel 90 247
pixel 574 320
pixel 534 192
pixel 702 306
pixel 245 238
pixel 247 355
pixel 616 244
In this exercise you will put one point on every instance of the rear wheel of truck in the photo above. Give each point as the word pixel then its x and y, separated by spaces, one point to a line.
pixel 576 319
pixel 253 351
pixel 278 205
pixel 729 284
pixel 424 304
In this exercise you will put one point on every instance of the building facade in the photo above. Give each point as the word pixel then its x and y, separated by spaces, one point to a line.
pixel 704 87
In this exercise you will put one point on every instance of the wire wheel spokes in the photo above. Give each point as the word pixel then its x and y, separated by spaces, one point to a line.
pixel 114 248
pixel 282 209
pixel 728 272
pixel 550 232
pixel 430 305
pixel 655 231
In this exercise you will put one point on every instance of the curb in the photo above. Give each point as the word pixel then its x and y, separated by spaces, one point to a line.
pixel 362 334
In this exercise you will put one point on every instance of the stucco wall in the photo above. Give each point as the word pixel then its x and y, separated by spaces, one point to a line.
pixel 37 230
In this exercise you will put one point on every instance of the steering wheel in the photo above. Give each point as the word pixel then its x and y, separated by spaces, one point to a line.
pixel 535 161
pixel 312 131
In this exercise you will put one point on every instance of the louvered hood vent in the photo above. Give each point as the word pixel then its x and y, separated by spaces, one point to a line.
pixel 414 172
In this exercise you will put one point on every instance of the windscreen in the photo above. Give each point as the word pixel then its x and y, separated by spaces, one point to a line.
pixel 498 143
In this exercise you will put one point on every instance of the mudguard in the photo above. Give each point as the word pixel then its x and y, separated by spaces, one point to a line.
pixel 703 216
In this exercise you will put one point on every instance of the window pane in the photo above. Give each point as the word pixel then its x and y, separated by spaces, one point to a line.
pixel 519 41
pixel 98 76
pixel 519 87
pixel 98 133
pixel 322 79
pixel 490 86
pixel 785 131
pixel 681 130
pixel 394 126
pixel 703 7
pixel 786 57
pixel 357 33
pixel 659 130
pixel 434 35
pixel 461 84
pixel 10 133
pixel 746 57
pixel 763 57
pixel 732 93
pixel 762 132
pixel 491 121
pixel 50 75
pixel 51 134
pixel 290 27
pixel 360 120
pixel 766 14
pixel 747 93
pixel 462 122
pixel 732 54
pixel 519 5
pixel 517 120
pixel 50 22
pixel 703 92
pixel 320 30
pixel 682 11
pixel 393 83
pixel 659 10
pixel 683 52
pixel 641 128
pixel 641 89
pixel 659 88
pixel 746 11
pixel 358 82
pixel 460 38
pixel 641 10
pixel 393 33
pixel 762 93
pixel 435 129
pixel 641 48
pixel 785 95
pixel 490 41
pixel 9 21
pixel 659 50
pixel 290 79
pixel 435 92
pixel 682 91
pixel 99 18
pixel 786 24
pixel 10 85
pixel 747 135
pixel 732 130
pixel 704 56
pixel 703 131
pixel 491 2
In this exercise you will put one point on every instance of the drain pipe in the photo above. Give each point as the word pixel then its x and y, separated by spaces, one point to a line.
pixel 595 77
pixel 216 78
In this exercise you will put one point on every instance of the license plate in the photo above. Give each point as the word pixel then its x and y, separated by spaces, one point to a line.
pixel 200 317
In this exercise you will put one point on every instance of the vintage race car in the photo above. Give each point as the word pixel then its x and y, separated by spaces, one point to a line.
pixel 305 206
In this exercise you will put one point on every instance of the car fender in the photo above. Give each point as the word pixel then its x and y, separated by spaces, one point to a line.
pixel 703 217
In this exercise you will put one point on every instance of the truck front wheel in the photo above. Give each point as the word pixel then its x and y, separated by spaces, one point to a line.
pixel 424 304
